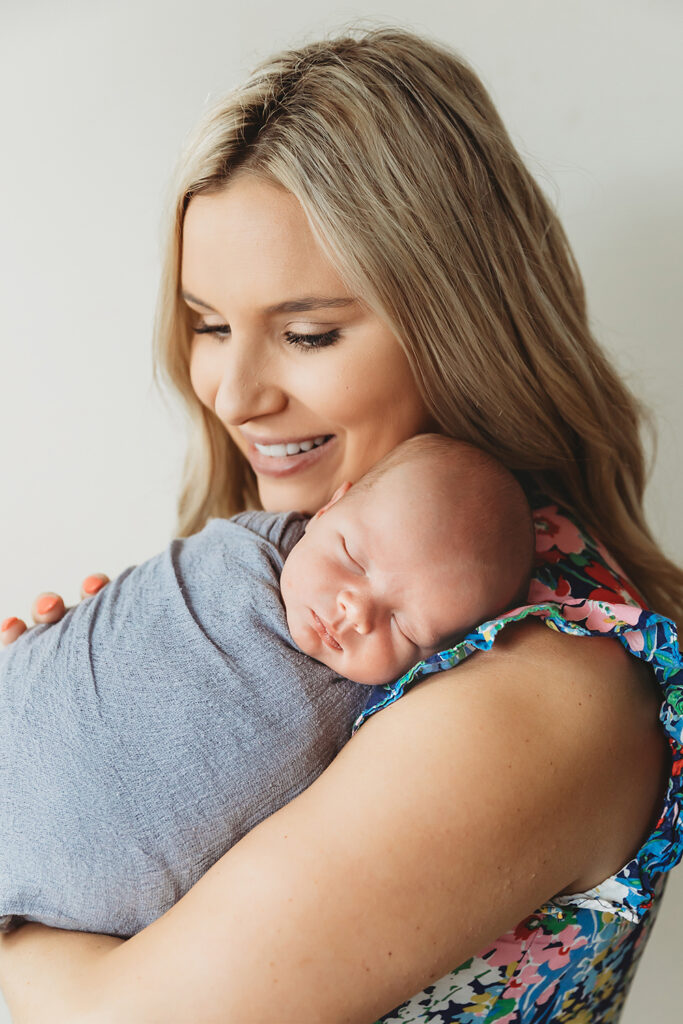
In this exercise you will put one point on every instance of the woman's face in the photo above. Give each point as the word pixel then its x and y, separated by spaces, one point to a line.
pixel 311 385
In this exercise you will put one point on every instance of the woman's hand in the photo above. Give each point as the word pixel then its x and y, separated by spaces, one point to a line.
pixel 47 608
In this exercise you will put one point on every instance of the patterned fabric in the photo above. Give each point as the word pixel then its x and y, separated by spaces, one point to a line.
pixel 574 958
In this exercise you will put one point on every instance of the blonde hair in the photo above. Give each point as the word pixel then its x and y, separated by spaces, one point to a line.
pixel 415 192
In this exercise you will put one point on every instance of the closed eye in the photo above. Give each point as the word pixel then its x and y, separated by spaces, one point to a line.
pixel 304 342
pixel 222 331
pixel 404 635
pixel 356 565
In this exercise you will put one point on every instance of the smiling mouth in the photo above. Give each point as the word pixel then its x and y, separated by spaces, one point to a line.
pixel 275 451
pixel 324 633
pixel 283 458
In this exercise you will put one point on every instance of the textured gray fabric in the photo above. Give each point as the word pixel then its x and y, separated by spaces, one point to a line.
pixel 158 722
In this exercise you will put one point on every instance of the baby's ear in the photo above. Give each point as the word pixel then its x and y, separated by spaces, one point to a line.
pixel 338 494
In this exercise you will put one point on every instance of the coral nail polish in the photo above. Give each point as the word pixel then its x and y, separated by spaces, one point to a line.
pixel 46 604
pixel 92 584
pixel 7 623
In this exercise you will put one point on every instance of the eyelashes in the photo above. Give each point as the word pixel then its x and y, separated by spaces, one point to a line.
pixel 312 341
pixel 302 341
pixel 405 637
pixel 221 333
pixel 356 565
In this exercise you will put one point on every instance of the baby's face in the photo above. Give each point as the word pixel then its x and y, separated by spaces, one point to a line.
pixel 367 590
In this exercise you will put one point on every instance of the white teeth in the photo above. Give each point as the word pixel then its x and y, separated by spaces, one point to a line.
pixel 290 448
pixel 272 449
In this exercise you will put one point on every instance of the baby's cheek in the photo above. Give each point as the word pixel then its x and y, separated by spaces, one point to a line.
pixel 377 664
pixel 305 641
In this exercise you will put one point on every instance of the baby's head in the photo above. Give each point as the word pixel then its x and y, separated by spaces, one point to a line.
pixel 436 538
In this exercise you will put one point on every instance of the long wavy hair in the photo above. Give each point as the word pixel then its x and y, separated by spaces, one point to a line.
pixel 415 192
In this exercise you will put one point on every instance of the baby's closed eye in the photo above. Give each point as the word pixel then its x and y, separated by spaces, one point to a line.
pixel 403 630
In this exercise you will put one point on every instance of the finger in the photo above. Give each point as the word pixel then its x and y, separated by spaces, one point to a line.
pixel 92 584
pixel 47 607
pixel 10 629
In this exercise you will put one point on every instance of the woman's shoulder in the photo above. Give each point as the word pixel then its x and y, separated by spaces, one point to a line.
pixel 603 685
pixel 570 747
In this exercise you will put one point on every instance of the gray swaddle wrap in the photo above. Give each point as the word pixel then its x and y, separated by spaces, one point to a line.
pixel 158 722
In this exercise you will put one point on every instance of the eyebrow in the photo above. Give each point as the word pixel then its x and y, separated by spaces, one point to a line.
pixel 289 306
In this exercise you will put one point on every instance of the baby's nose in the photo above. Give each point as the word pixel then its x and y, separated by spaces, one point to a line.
pixel 357 611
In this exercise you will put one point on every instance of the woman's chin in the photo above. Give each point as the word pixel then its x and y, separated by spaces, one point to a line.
pixel 286 496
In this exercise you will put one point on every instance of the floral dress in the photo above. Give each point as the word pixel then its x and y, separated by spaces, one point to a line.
pixel 573 959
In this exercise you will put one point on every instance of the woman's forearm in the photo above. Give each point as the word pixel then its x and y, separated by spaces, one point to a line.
pixel 46 973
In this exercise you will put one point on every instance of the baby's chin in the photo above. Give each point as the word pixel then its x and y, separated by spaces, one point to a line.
pixel 356 673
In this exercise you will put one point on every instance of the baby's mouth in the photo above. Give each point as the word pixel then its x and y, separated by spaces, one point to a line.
pixel 324 633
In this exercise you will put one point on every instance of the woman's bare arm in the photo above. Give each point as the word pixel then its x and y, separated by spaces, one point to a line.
pixel 449 817
pixel 45 971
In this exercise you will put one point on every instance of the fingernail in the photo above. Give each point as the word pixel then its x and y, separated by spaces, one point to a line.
pixel 46 604
pixel 7 623
pixel 92 584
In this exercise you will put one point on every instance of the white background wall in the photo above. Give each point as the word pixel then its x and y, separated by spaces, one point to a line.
pixel 96 98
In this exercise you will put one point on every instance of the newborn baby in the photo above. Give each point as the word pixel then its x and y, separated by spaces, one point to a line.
pixel 160 721
pixel 434 540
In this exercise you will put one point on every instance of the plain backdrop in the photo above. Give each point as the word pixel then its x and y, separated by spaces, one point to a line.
pixel 96 100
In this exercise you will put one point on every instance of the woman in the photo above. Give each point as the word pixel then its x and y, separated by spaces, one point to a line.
pixel 357 254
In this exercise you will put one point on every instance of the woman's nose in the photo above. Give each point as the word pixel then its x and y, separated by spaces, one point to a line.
pixel 247 387
pixel 356 610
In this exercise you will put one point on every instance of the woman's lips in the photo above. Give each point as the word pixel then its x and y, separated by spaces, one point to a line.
pixel 324 634
pixel 285 465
